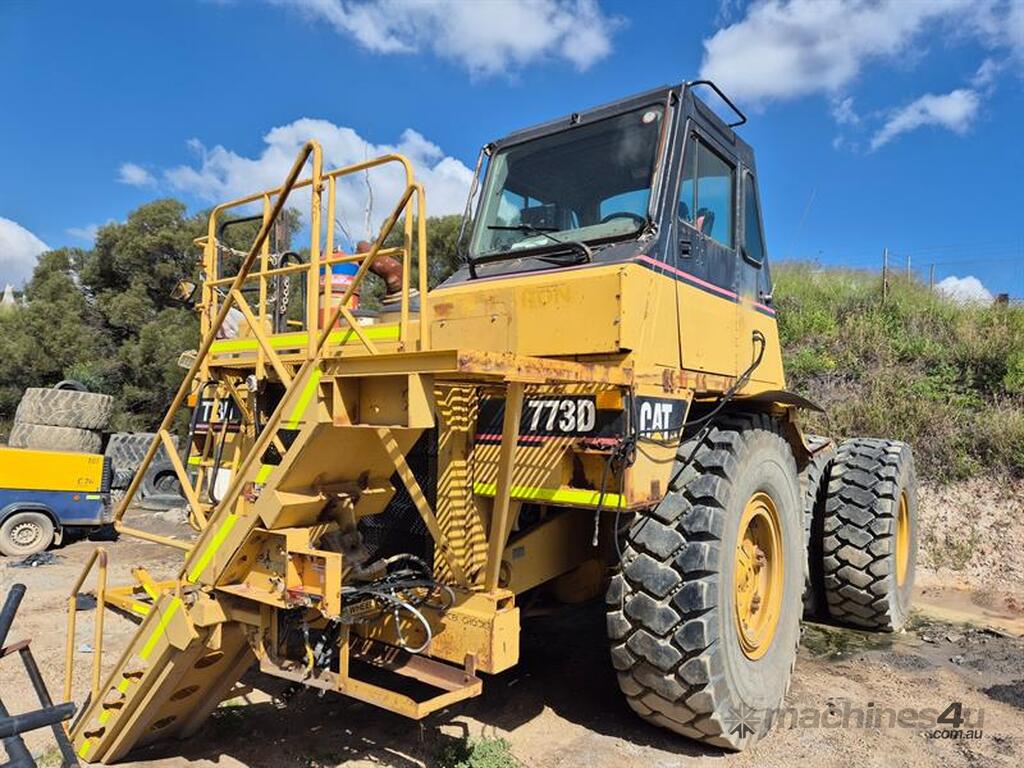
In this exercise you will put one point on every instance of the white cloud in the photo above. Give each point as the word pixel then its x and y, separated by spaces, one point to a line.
pixel 87 233
pixel 486 38
pixel 1014 27
pixel 19 249
pixel 788 48
pixel 986 73
pixel 966 290
pixel 998 23
pixel 843 112
pixel 955 110
pixel 222 174
pixel 135 175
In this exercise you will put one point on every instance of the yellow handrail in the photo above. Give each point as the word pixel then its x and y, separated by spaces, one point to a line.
pixel 309 148
pixel 98 555
pixel 224 293
pixel 319 260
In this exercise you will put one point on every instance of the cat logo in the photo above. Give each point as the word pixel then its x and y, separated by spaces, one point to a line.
pixel 660 416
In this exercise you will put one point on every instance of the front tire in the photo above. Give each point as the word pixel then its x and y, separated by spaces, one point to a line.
pixel 25 533
pixel 703 638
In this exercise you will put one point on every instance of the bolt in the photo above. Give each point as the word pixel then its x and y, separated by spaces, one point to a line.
pixel 760 560
pixel 755 603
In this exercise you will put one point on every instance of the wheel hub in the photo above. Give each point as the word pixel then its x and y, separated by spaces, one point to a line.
pixel 758 575
pixel 25 534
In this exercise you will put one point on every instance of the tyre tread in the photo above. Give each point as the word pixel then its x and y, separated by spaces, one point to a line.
pixel 663 630
pixel 859 525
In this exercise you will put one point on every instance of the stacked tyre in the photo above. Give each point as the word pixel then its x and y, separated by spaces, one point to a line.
pixel 65 417
pixel 160 487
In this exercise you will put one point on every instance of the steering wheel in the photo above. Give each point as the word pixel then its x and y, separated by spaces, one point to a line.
pixel 640 220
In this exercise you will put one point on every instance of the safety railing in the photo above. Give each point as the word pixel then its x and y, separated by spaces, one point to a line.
pixel 208 337
pixel 220 294
pixel 323 257
pixel 98 558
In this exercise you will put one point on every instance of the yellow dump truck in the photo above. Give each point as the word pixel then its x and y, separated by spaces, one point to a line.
pixel 592 405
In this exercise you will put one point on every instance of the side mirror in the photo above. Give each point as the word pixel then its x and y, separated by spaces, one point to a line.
pixel 184 291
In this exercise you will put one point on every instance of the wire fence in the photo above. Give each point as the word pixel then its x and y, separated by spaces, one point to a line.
pixel 995 268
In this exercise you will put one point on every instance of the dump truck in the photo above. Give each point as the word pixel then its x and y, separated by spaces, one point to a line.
pixel 591 406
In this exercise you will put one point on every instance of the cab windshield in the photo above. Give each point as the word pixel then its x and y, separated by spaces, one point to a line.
pixel 586 183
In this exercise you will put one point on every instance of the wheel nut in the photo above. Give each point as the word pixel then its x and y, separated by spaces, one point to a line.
pixel 755 603
pixel 759 560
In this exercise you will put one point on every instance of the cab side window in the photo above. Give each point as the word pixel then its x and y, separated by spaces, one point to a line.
pixel 753 237
pixel 706 192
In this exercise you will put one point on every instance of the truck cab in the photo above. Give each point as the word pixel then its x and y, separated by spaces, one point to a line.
pixel 638 221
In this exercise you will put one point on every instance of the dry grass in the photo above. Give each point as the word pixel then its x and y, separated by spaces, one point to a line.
pixel 948 379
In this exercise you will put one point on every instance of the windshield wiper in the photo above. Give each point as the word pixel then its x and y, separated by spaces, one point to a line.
pixel 576 246
pixel 579 249
pixel 529 229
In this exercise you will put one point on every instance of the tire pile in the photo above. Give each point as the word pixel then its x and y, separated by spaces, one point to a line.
pixel 62 418
pixel 160 488
pixel 67 417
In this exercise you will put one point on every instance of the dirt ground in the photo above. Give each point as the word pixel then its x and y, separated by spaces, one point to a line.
pixel 561 707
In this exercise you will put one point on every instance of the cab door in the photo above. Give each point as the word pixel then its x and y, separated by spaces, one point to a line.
pixel 756 309
pixel 706 241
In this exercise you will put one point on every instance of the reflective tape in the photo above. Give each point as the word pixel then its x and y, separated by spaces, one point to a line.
pixel 298 340
pixel 563 495
pixel 147 649
pixel 212 547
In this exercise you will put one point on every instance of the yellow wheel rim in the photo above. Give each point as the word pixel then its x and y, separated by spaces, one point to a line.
pixel 902 540
pixel 758 575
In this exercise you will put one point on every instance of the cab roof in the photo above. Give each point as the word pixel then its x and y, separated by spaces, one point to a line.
pixel 693 106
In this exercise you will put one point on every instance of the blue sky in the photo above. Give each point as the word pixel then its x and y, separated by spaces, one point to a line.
pixel 890 123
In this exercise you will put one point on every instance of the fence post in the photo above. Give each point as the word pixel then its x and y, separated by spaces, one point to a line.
pixel 885 273
pixel 931 277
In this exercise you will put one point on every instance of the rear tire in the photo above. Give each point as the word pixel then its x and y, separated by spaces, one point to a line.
pixel 25 533
pixel 684 656
pixel 49 438
pixel 814 489
pixel 870 534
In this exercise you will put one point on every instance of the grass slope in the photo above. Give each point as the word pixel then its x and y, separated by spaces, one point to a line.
pixel 945 377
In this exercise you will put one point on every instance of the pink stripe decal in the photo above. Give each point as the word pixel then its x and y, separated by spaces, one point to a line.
pixel 702 283
pixel 686 276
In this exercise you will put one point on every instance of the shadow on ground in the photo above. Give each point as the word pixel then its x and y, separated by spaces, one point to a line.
pixel 564 666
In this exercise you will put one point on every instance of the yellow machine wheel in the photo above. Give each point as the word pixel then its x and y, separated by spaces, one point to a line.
pixel 870 534
pixel 704 616
pixel 757 583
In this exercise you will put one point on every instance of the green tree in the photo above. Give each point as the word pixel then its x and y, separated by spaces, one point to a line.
pixel 105 316
pixel 57 331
